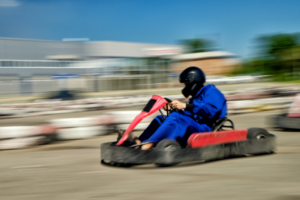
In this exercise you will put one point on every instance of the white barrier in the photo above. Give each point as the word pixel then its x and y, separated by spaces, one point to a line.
pixel 140 126
pixel 20 143
pixel 74 122
pixel 16 137
pixel 25 131
pixel 126 117
pixel 259 104
pixel 81 128
pixel 83 121
pixel 80 132
pixel 18 131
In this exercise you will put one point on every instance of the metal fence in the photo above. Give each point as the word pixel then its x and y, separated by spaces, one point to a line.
pixel 16 86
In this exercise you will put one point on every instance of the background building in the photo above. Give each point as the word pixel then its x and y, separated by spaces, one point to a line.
pixel 36 66
pixel 214 63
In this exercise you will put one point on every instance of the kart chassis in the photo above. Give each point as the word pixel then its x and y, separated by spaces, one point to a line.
pixel 218 145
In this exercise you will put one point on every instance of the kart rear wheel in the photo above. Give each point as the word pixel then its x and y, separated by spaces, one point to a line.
pixel 257 133
pixel 168 145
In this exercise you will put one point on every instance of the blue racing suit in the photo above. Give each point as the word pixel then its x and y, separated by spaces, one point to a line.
pixel 208 105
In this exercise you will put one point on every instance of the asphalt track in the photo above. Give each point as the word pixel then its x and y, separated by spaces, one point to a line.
pixel 72 170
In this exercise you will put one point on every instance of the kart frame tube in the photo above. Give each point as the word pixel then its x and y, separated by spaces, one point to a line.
pixel 127 155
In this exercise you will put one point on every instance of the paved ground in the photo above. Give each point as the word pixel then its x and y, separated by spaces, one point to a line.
pixel 72 170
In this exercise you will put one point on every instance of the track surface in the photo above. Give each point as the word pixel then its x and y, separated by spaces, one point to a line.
pixel 72 170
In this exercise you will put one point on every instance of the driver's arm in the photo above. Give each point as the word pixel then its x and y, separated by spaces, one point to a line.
pixel 209 105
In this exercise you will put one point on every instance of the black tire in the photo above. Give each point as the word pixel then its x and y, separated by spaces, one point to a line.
pixel 168 145
pixel 257 133
pixel 108 163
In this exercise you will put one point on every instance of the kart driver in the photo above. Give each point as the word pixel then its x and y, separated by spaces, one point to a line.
pixel 206 105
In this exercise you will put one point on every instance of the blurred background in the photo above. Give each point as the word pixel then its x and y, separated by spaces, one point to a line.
pixel 73 72
pixel 40 53
pixel 34 67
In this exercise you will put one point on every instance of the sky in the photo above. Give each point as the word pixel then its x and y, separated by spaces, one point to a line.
pixel 233 25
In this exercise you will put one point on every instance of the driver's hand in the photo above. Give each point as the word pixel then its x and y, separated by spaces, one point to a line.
pixel 178 105
pixel 165 107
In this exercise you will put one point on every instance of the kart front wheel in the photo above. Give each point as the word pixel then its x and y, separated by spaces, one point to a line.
pixel 167 145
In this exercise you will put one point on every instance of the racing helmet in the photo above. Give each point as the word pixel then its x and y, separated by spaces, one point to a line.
pixel 194 78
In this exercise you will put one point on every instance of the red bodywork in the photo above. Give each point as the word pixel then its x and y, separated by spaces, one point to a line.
pixel 196 140
pixel 160 102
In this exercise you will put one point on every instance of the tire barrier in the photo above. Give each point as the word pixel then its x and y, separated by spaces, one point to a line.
pixel 50 107
pixel 17 137
pixel 21 143
pixel 82 128
pixel 78 133
pixel 250 99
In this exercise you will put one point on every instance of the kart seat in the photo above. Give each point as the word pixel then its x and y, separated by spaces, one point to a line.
pixel 220 124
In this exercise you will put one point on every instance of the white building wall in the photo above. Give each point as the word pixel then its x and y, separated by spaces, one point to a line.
pixel 121 49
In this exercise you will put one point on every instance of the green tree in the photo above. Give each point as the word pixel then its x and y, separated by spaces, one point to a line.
pixel 275 45
pixel 280 55
pixel 291 59
pixel 196 45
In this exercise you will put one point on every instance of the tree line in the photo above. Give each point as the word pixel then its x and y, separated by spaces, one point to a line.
pixel 277 55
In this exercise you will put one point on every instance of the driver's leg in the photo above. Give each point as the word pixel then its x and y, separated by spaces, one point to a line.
pixel 153 126
pixel 176 127
pixel 147 146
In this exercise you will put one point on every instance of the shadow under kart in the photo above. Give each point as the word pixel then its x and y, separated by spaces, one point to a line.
pixel 208 146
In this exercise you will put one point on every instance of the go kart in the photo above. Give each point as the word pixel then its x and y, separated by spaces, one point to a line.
pixel 290 120
pixel 285 122
pixel 222 142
